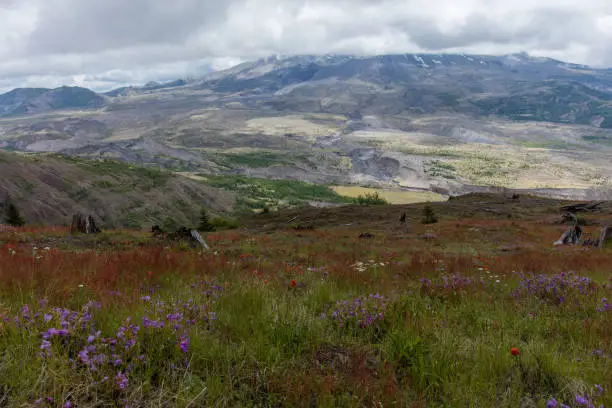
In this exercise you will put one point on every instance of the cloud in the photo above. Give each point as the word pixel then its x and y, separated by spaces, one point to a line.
pixel 108 43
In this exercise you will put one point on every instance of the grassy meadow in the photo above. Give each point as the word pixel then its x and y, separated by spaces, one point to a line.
pixel 391 196
pixel 422 316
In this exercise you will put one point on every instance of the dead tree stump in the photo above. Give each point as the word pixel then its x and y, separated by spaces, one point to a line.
pixel 84 225
pixel 570 237
pixel 573 235
pixel 605 237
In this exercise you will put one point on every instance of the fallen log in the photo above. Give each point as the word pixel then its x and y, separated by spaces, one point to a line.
pixel 582 207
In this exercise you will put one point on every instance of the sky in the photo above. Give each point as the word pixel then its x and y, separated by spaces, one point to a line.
pixel 104 44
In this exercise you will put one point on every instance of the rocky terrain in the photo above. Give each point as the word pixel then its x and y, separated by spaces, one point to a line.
pixel 445 123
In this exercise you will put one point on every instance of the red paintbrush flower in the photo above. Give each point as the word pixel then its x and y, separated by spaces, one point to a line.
pixel 514 351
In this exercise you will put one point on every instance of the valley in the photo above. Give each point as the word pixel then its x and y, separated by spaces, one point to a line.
pixel 448 124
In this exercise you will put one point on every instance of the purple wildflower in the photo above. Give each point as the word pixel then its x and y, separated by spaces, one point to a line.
pixel 121 380
pixel 581 400
pixel 184 344
pixel 45 345
pixel 552 403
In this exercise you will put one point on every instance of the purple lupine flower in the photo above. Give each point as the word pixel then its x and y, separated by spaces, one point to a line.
pixel 45 345
pixel 54 332
pixel 122 381
pixel 145 298
pixel 552 403
pixel 129 344
pixel 581 400
pixel 184 344
pixel 174 316
pixel 100 359
pixel 68 404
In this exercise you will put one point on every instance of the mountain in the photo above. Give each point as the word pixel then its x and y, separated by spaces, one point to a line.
pixel 450 123
pixel 149 86
pixel 13 100
pixel 514 86
pixel 49 189
pixel 36 100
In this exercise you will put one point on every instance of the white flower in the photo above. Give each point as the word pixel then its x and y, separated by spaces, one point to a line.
pixel 497 281
pixel 81 286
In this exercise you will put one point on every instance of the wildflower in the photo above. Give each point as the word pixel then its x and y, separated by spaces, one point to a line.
pixel 293 283
pixel 45 345
pixel 514 351
pixel 91 338
pixel 184 344
pixel 581 400
pixel 552 403
pixel 47 317
pixel 121 380
pixel 145 298
pixel 68 404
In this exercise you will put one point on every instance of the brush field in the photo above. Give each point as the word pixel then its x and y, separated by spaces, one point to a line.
pixel 478 310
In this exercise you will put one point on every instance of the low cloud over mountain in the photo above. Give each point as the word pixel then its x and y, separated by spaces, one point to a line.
pixel 103 44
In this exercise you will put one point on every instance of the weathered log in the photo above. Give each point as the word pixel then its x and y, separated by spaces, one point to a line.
pixel 582 207
pixel 84 225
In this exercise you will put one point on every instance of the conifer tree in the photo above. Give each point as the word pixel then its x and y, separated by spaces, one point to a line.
pixel 205 225
pixel 429 217
pixel 13 217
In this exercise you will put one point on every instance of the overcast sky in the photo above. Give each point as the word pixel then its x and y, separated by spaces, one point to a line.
pixel 103 44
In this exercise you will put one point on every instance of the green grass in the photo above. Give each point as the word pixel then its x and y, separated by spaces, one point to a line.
pixel 256 193
pixel 437 168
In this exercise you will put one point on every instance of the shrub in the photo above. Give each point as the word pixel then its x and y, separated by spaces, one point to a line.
pixel 220 223
pixel 370 199
pixel 429 216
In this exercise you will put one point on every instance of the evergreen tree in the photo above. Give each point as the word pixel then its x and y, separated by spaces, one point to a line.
pixel 429 217
pixel 205 225
pixel 13 217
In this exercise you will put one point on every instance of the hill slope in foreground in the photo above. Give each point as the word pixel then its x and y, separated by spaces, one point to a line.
pixel 477 310
pixel 50 189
